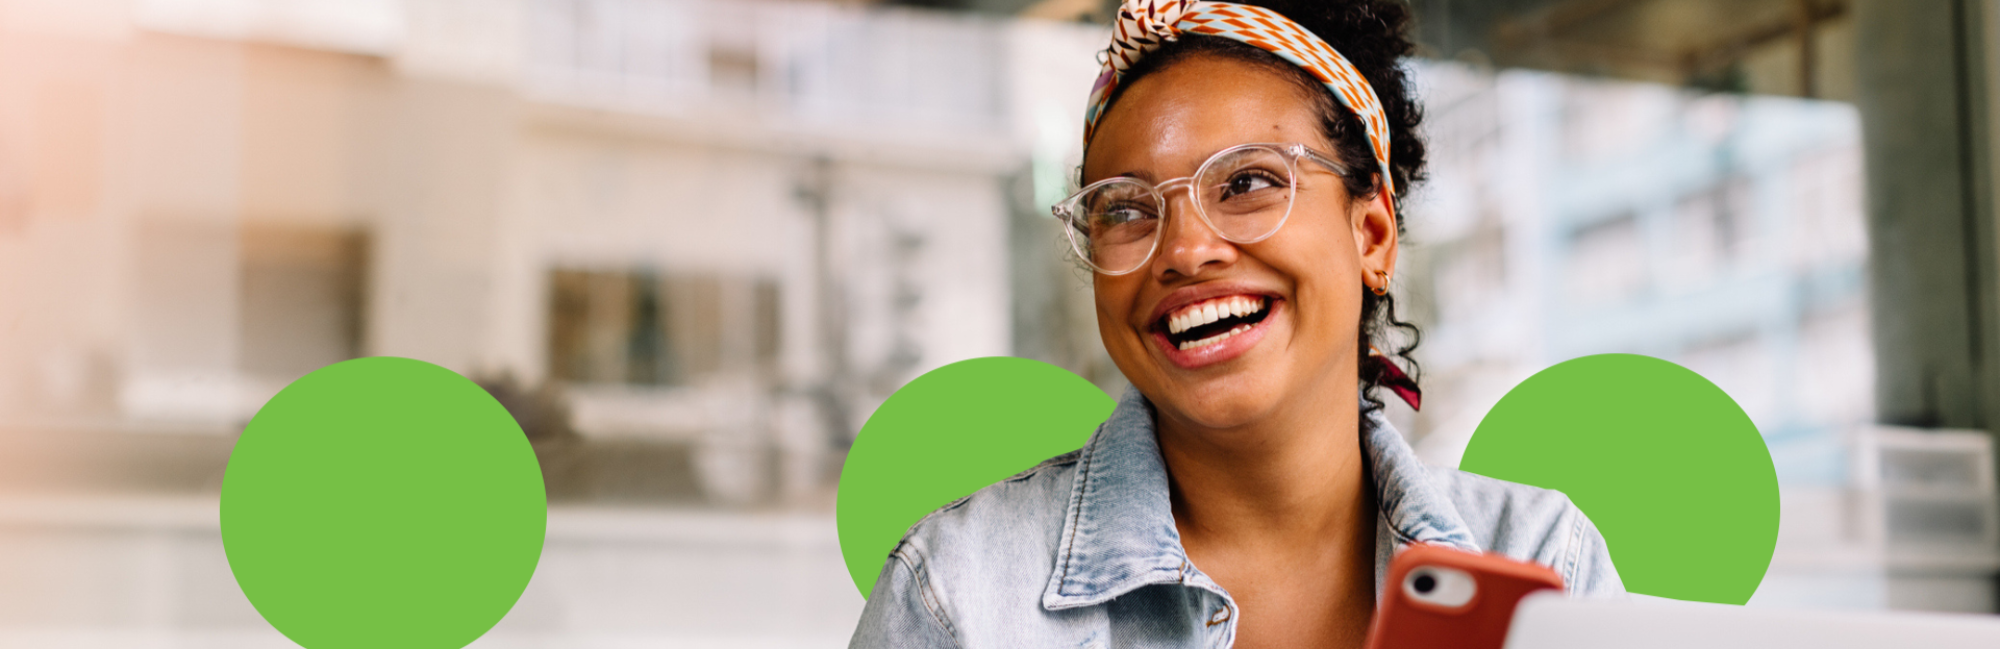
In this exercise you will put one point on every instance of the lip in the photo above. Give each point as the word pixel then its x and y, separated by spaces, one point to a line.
pixel 1199 292
pixel 1229 348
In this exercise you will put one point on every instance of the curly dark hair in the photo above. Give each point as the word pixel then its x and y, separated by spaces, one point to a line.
pixel 1374 36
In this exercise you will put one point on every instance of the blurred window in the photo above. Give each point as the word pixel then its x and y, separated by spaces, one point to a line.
pixel 1742 364
pixel 646 328
pixel 1827 222
pixel 301 298
pixel 1607 262
pixel 1472 274
pixel 817 62
pixel 1711 226
pixel 1836 365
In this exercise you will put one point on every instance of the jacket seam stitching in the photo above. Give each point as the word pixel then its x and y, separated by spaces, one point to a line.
pixel 927 595
pixel 1397 534
pixel 1575 550
pixel 1037 469
pixel 1085 462
pixel 962 500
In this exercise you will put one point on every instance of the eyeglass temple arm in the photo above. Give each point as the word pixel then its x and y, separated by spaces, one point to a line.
pixel 1306 152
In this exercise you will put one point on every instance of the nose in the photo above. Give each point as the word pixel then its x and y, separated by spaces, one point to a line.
pixel 1187 245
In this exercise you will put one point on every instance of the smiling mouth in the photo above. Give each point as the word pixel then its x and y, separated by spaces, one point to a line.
pixel 1212 321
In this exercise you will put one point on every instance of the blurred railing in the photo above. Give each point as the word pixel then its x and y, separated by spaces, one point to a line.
pixel 811 62
pixel 816 62
pixel 103 572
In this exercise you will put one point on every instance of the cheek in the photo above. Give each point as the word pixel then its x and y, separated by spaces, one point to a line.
pixel 1322 257
pixel 1325 273
pixel 1114 301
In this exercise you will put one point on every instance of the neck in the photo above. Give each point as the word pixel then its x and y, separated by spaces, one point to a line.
pixel 1294 481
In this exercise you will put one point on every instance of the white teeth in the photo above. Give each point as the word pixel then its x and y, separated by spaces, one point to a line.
pixel 1215 338
pixel 1211 311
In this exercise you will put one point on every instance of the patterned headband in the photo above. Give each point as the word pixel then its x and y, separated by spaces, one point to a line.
pixel 1143 25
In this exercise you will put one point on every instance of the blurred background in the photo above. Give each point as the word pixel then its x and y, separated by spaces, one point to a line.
pixel 691 244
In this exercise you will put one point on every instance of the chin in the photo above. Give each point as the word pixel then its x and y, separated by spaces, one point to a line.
pixel 1220 403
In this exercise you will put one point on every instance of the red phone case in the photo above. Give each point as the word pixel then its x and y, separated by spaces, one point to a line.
pixel 1404 621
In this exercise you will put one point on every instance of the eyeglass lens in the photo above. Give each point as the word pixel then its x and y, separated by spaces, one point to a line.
pixel 1244 194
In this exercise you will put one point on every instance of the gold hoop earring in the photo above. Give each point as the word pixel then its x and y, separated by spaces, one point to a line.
pixel 1384 288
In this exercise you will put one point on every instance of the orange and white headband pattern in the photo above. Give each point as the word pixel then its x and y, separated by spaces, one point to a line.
pixel 1144 25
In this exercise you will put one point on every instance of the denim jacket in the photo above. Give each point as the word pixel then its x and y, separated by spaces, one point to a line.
pixel 1081 550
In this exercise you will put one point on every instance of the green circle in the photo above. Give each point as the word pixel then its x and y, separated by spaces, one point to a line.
pixel 1673 473
pixel 383 502
pixel 948 433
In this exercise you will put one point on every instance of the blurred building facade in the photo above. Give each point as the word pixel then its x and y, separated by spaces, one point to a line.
pixel 737 223
pixel 692 244
pixel 1569 216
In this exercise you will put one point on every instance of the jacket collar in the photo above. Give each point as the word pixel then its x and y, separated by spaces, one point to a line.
pixel 1118 530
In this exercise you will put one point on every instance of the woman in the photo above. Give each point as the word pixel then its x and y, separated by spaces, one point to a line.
pixel 1242 175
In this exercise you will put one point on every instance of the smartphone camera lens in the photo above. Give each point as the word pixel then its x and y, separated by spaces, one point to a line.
pixel 1440 586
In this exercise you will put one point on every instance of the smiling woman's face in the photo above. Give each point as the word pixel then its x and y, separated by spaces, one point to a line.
pixel 1307 278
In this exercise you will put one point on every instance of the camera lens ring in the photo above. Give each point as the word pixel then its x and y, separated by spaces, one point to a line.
pixel 1440 586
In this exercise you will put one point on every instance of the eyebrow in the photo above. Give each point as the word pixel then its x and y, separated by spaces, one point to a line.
pixel 1141 175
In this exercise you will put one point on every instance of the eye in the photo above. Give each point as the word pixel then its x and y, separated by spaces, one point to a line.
pixel 1249 180
pixel 1121 213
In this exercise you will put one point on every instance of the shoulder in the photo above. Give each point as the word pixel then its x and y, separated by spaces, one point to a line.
pixel 973 563
pixel 1003 536
pixel 1531 524
pixel 1004 510
pixel 1490 506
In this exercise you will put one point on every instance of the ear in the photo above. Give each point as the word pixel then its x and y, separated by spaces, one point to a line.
pixel 1374 225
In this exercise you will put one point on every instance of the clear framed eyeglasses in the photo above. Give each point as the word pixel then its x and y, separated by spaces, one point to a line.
pixel 1244 193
